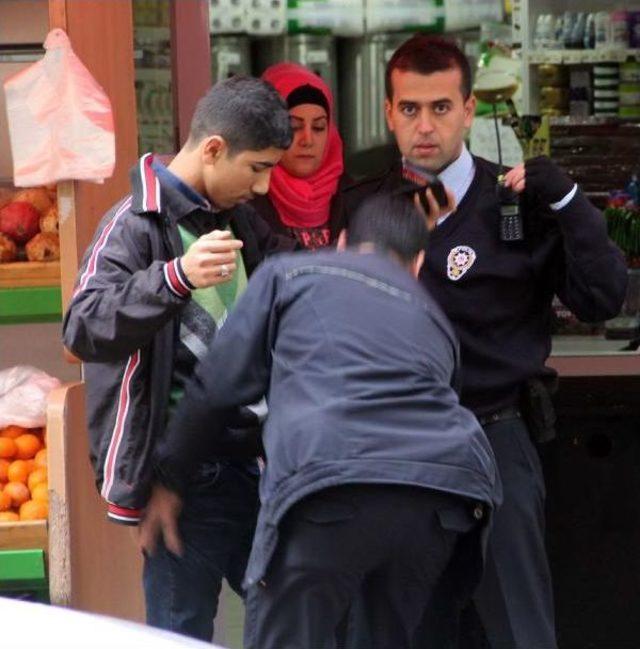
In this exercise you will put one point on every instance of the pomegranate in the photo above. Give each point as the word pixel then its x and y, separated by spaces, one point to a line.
pixel 43 247
pixel 8 249
pixel 49 222
pixel 37 196
pixel 19 221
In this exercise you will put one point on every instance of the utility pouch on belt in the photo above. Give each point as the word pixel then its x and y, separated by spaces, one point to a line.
pixel 538 410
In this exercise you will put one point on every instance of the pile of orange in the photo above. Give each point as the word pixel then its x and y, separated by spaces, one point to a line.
pixel 24 490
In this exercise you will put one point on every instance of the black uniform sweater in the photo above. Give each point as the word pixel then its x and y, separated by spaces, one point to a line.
pixel 498 295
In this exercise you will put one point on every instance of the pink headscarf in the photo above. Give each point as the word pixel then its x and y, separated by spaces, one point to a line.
pixel 305 202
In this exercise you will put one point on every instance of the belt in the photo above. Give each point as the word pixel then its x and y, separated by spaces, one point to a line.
pixel 510 412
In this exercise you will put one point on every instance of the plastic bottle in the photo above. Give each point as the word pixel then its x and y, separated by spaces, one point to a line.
pixel 619 29
pixel 603 30
pixel 589 41
pixel 557 32
pixel 578 31
pixel 538 34
pixel 567 30
pixel 549 34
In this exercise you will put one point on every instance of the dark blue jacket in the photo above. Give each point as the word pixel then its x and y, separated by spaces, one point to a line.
pixel 358 364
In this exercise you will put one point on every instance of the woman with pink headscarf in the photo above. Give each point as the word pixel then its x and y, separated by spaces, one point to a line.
pixel 304 198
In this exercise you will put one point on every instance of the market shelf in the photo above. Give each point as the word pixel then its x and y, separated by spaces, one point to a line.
pixel 23 572
pixel 30 304
pixel 30 273
pixel 30 292
pixel 23 535
pixel 579 57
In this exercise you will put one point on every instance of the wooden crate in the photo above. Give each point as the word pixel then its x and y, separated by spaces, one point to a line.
pixel 24 535
pixel 20 274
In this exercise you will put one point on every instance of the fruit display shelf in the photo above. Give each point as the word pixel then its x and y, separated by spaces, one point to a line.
pixel 23 572
pixel 30 274
pixel 23 535
pixel 30 292
pixel 23 576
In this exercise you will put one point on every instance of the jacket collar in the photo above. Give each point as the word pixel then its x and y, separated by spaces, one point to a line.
pixel 151 194
pixel 146 191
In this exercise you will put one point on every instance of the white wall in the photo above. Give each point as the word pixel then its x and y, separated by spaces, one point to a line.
pixel 39 345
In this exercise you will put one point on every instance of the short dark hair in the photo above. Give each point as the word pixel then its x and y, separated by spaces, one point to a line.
pixel 391 223
pixel 248 113
pixel 425 55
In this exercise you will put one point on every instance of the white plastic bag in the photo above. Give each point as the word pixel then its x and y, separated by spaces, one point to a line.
pixel 60 119
pixel 23 396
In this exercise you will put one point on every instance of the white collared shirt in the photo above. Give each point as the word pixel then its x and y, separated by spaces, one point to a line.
pixel 457 177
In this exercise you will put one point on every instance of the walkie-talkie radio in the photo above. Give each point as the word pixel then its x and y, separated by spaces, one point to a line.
pixel 494 87
pixel 511 226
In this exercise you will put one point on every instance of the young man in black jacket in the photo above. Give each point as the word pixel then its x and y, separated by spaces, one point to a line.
pixel 375 475
pixel 498 297
pixel 166 265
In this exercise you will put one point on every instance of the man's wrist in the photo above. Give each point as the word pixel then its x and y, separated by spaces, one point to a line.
pixel 177 279
pixel 563 202
pixel 169 479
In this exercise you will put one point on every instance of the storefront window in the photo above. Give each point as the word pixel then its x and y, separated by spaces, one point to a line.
pixel 152 52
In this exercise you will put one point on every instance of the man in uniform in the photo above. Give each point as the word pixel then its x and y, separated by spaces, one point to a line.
pixel 498 296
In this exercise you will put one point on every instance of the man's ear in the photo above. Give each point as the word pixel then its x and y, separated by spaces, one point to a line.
pixel 469 111
pixel 387 113
pixel 417 262
pixel 213 148
pixel 342 241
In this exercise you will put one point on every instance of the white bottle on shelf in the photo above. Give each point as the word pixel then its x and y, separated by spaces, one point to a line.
pixel 558 30
pixel 539 32
pixel 603 30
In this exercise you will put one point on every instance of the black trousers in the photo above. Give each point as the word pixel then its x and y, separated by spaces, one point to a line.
pixel 513 605
pixel 385 541
pixel 515 597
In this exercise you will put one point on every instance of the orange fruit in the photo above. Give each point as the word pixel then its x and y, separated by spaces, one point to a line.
pixel 40 459
pixel 36 477
pixel 31 464
pixel 33 510
pixel 28 445
pixel 18 471
pixel 18 492
pixel 8 447
pixel 4 468
pixel 5 502
pixel 9 517
pixel 13 431
pixel 40 492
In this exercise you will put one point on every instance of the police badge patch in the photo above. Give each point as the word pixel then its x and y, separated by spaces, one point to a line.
pixel 460 259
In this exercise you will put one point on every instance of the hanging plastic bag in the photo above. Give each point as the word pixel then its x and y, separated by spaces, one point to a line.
pixel 60 119
pixel 23 396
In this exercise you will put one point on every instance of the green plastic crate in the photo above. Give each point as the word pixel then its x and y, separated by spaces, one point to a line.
pixel 30 304
pixel 23 575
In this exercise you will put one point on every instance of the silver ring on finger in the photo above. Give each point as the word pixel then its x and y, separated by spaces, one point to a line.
pixel 224 270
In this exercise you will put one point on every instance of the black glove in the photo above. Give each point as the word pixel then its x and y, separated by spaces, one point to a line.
pixel 545 180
